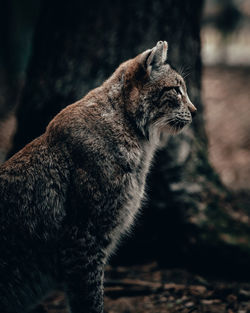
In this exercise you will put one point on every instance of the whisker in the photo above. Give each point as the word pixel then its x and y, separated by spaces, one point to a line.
pixel 186 71
pixel 186 75
pixel 180 70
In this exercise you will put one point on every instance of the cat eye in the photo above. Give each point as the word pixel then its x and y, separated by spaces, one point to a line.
pixel 178 90
pixel 167 89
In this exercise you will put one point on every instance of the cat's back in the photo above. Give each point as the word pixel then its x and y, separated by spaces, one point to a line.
pixel 32 185
pixel 20 170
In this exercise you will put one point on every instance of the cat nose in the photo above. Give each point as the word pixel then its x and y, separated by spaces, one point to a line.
pixel 193 113
pixel 192 109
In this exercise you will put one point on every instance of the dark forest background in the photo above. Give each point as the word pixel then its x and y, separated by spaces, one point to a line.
pixel 53 52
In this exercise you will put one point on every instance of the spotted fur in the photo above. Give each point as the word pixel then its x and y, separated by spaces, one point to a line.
pixel 68 196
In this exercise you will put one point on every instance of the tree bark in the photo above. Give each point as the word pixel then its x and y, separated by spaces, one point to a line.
pixel 188 216
pixel 17 20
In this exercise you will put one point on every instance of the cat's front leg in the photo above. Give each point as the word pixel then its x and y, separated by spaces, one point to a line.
pixel 85 292
pixel 83 277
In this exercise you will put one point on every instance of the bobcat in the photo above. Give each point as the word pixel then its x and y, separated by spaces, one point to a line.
pixel 68 196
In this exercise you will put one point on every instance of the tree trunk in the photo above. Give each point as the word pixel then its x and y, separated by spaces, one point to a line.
pixel 188 217
pixel 17 20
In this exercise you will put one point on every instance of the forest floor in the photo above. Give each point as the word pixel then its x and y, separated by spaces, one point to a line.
pixel 149 289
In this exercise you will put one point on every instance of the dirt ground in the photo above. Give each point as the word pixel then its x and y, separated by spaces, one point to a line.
pixel 148 289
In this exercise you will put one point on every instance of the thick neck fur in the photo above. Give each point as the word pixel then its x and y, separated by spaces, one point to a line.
pixel 110 112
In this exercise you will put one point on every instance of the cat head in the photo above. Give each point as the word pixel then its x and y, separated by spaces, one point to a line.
pixel 156 94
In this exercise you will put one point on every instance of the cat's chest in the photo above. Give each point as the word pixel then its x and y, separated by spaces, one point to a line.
pixel 131 198
pixel 134 191
pixel 134 194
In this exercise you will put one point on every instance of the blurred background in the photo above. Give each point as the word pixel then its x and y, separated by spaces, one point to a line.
pixel 225 36
pixel 190 248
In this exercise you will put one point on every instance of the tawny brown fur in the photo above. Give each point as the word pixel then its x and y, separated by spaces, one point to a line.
pixel 68 196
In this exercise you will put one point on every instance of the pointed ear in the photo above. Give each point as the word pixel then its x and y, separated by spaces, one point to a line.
pixel 144 58
pixel 155 57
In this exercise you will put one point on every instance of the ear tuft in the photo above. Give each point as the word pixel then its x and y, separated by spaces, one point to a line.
pixel 159 54
pixel 155 57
